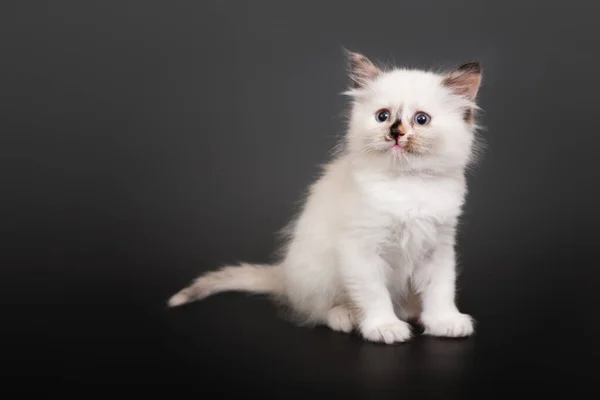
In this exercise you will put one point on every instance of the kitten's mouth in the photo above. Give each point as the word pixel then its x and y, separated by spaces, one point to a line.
pixel 399 146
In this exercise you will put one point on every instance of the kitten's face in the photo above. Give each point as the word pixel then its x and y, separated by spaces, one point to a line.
pixel 415 118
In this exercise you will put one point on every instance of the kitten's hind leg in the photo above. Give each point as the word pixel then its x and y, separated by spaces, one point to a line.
pixel 340 319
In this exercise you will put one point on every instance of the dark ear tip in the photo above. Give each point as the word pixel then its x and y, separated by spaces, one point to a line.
pixel 352 55
pixel 473 67
pixel 347 52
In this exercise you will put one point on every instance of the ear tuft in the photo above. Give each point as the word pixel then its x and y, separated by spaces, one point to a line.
pixel 360 69
pixel 465 80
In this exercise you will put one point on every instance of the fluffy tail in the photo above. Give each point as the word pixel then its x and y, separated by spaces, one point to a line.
pixel 263 279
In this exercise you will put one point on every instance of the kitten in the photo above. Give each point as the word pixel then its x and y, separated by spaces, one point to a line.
pixel 374 245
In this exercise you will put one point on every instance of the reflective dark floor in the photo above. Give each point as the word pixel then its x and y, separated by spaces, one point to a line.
pixel 532 339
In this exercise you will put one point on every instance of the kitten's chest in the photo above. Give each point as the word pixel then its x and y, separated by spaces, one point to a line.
pixel 413 212
pixel 411 198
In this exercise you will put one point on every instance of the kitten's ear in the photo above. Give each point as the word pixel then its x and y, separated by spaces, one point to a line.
pixel 360 69
pixel 465 80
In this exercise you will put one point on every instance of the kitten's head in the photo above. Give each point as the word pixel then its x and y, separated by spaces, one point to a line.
pixel 412 119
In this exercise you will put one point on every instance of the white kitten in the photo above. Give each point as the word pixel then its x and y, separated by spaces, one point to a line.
pixel 374 245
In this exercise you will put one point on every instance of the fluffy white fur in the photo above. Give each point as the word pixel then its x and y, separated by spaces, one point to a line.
pixel 374 245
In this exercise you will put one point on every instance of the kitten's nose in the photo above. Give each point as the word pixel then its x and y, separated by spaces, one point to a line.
pixel 396 130
pixel 396 133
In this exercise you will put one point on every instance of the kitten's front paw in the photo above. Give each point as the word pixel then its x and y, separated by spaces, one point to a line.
pixel 448 325
pixel 389 332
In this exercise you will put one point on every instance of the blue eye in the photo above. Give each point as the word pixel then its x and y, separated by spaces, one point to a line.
pixel 382 115
pixel 421 118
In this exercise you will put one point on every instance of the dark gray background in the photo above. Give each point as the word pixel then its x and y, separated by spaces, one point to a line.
pixel 147 141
